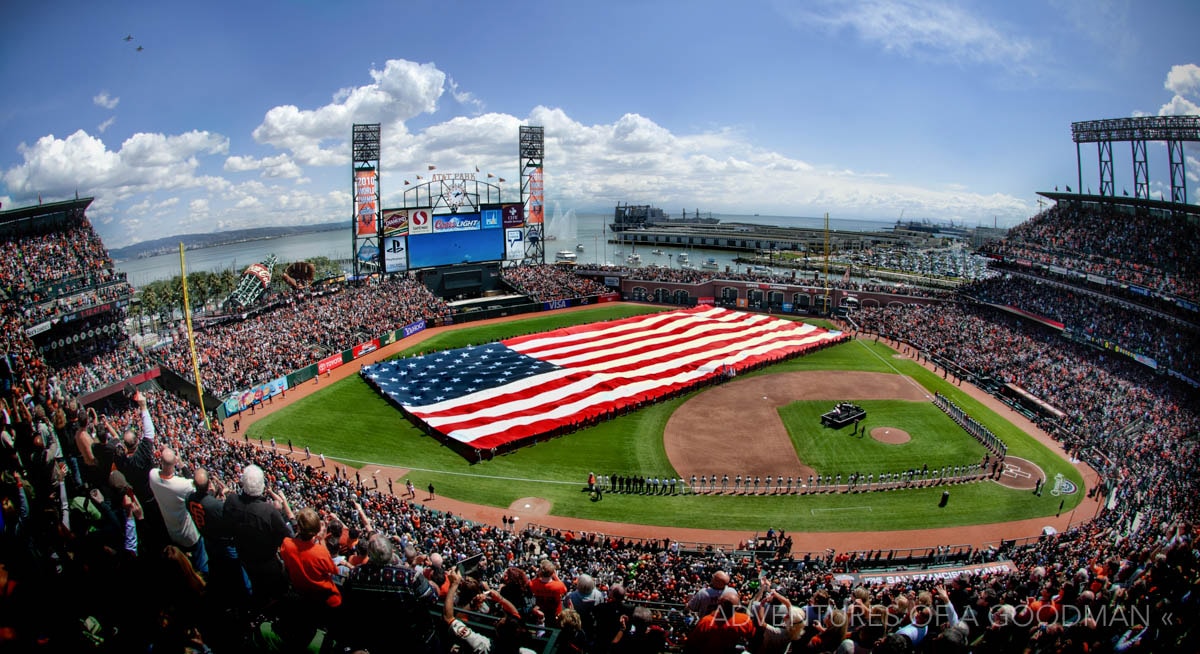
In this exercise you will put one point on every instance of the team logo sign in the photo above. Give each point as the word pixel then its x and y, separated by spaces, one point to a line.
pixel 1063 486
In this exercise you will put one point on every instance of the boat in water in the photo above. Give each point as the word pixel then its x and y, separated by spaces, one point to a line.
pixel 634 259
pixel 642 216
pixel 682 258
pixel 656 251
pixel 710 264
pixel 579 247
pixel 565 255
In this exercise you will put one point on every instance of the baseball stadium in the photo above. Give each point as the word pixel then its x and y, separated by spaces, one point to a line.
pixel 612 458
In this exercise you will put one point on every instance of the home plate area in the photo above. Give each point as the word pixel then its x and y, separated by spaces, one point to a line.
pixel 1021 474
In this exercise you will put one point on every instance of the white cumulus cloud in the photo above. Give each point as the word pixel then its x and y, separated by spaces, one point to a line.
pixel 103 99
pixel 402 90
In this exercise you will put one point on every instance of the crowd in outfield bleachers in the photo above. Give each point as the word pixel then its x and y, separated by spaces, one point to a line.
pixel 546 282
pixel 300 331
pixel 693 276
pixel 130 526
pixel 1160 253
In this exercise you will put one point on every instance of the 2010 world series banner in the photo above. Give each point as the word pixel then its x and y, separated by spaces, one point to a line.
pixel 490 395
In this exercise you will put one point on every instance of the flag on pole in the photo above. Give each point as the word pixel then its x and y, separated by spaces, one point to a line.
pixel 406 182
pixel 433 167
pixel 488 395
pixel 500 178
pixel 490 175
pixel 476 168
pixel 419 177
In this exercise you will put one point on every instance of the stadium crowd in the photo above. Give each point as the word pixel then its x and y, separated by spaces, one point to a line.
pixel 1097 318
pixel 300 331
pixel 694 276
pixel 132 527
pixel 547 282
pixel 1159 253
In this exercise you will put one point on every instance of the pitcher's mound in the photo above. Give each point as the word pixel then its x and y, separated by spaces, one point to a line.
pixel 531 506
pixel 890 435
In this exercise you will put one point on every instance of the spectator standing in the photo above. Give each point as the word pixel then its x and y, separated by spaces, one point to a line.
pixel 171 492
pixel 548 591
pixel 259 527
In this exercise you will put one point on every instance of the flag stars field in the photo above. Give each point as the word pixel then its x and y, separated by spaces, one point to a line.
pixel 538 383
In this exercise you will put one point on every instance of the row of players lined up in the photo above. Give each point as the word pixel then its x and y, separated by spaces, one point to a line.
pixel 757 484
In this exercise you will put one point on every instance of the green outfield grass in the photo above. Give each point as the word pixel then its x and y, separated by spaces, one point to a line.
pixel 351 423
pixel 936 440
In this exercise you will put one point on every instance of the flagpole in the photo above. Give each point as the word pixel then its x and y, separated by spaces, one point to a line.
pixel 187 315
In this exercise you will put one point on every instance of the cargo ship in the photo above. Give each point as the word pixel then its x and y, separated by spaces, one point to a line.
pixel 643 216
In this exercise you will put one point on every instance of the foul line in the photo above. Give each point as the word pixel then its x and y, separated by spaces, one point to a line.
pixel 924 391
pixel 843 508
pixel 449 472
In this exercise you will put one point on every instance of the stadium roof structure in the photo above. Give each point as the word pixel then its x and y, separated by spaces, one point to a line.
pixel 48 209
pixel 1174 130
pixel 1189 210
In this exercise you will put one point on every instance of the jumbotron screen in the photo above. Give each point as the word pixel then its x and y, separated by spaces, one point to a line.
pixel 458 239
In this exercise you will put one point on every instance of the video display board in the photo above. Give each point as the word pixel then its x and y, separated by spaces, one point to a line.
pixel 457 239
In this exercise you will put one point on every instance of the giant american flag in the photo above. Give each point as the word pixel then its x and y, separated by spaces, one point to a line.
pixel 489 395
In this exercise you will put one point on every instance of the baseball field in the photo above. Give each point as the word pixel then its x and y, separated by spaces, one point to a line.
pixel 765 422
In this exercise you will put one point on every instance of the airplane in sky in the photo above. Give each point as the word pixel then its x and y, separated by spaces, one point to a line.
pixel 128 38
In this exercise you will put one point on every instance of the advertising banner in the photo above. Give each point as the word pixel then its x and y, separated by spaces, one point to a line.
pixel 514 244
pixel 1097 279
pixel 418 326
pixel 490 218
pixel 537 197
pixel 742 303
pixel 329 363
pixel 909 576
pixel 254 395
pixel 395 222
pixel 365 348
pixel 707 300
pixel 420 221
pixel 609 297
pixel 364 202
pixel 395 253
pixel 368 252
pixel 612 282
pixel 514 215
pixel 555 304
pixel 456 223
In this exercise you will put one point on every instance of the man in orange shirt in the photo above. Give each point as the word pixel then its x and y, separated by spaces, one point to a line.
pixel 548 591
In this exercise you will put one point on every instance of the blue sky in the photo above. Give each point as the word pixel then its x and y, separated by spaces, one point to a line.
pixel 238 114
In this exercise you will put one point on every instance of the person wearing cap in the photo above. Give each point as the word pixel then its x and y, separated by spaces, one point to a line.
pixel 259 526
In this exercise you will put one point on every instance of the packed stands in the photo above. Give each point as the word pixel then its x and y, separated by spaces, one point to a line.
pixel 300 330
pixel 1160 253
pixel 546 282
pixel 106 549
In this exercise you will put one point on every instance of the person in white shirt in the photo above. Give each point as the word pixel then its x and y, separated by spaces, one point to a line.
pixel 171 492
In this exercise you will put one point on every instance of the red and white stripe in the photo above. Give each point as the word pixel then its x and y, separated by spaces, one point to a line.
pixel 609 365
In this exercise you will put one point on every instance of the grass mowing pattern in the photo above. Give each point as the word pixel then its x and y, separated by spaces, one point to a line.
pixel 350 422
pixel 936 440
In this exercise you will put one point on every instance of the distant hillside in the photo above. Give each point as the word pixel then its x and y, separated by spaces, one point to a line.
pixel 196 241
